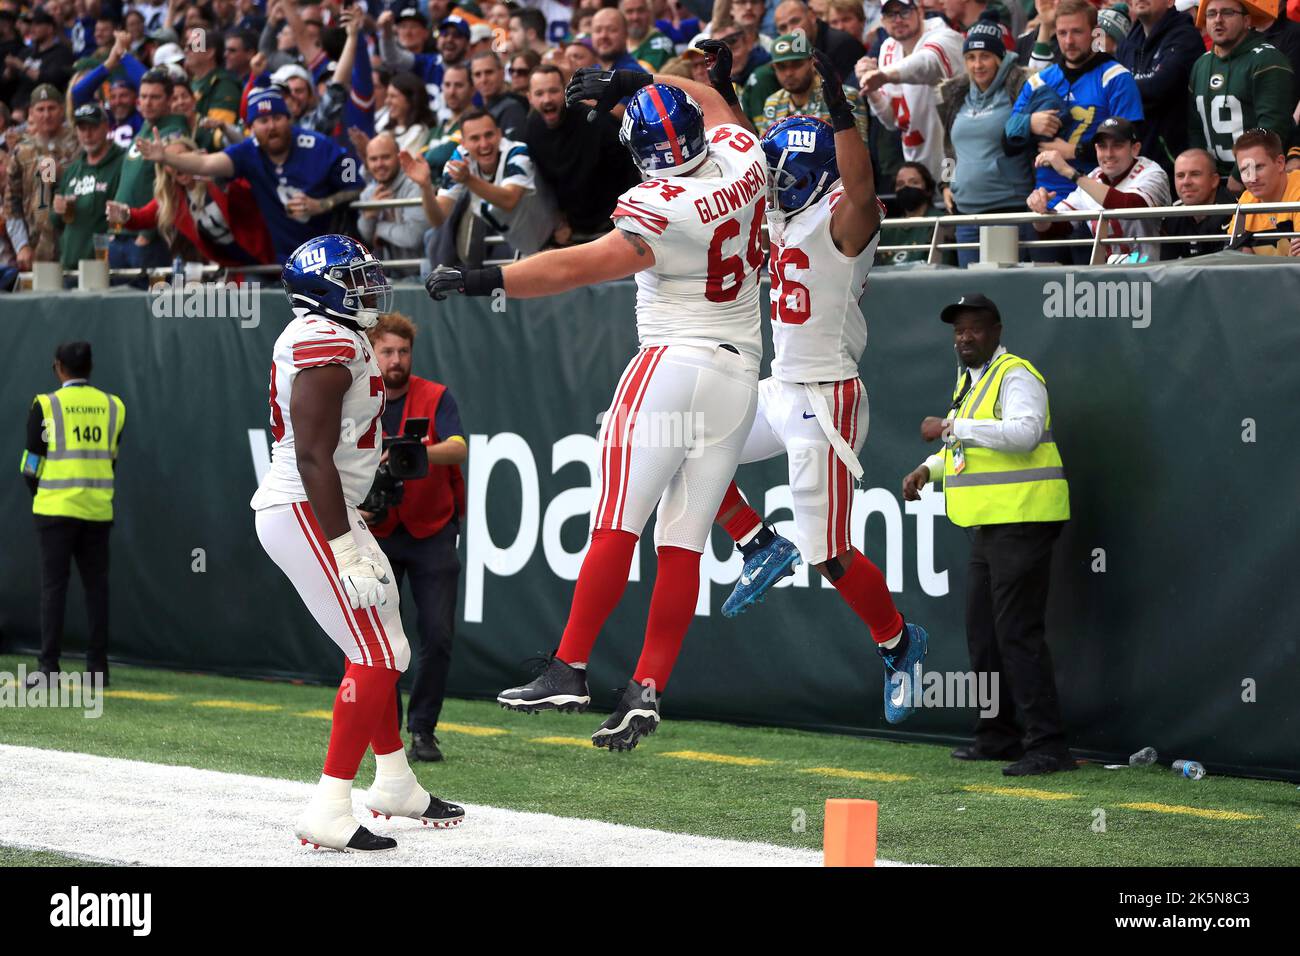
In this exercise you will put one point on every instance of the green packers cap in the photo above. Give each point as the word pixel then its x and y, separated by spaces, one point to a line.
pixel 44 92
pixel 89 114
pixel 791 46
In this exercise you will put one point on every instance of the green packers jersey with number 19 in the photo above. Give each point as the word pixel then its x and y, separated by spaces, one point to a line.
pixel 1250 87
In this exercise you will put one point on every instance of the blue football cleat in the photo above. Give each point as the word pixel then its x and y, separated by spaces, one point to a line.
pixel 903 675
pixel 762 570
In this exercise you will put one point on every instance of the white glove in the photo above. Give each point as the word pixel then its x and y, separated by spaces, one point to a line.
pixel 363 578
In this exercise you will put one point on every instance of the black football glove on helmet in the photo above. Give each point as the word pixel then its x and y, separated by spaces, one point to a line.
pixel 718 56
pixel 606 87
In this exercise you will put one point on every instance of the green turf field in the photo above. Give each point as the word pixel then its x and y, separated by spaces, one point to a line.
pixel 712 779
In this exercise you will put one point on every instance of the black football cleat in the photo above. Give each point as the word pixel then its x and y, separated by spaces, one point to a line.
pixel 636 716
pixel 558 687
pixel 363 841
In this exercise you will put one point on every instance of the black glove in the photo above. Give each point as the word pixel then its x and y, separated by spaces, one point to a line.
pixel 718 56
pixel 443 281
pixel 837 104
pixel 606 87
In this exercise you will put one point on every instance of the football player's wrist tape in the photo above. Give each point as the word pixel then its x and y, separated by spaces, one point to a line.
pixel 484 281
pixel 363 578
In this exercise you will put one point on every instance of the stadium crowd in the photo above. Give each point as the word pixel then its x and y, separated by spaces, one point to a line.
pixel 230 131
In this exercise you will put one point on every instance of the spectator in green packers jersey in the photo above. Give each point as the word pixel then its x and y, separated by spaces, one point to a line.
pixel 86 186
pixel 1243 82
pixel 644 41
pixel 129 249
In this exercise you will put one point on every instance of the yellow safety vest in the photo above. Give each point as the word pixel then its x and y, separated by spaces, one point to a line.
pixel 998 487
pixel 82 426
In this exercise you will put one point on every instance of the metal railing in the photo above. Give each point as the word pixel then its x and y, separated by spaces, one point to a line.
pixel 934 248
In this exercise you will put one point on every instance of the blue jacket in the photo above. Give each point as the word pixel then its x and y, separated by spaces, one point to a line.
pixel 1091 94
pixel 1161 65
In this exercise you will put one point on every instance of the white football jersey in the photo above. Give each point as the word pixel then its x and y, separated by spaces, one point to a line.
pixel 818 330
pixel 310 341
pixel 916 105
pixel 1146 179
pixel 706 234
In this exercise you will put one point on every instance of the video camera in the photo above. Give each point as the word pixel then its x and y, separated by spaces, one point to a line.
pixel 407 459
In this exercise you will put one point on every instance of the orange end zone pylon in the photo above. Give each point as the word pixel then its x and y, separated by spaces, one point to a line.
pixel 850 833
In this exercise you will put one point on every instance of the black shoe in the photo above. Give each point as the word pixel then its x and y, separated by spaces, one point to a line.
pixel 559 687
pixel 976 752
pixel 636 716
pixel 1039 762
pixel 425 747
pixel 363 841
pixel 442 815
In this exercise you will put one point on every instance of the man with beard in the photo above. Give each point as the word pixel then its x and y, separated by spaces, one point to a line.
pixel 298 176
pixel 791 16
pixel 801 88
pixel 583 164
pixel 1241 83
pixel 902 85
pixel 1062 107
pixel 609 37
pixel 419 535
pixel 398 232
pixel 647 45
pixel 37 161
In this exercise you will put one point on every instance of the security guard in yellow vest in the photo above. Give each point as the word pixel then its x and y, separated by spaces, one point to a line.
pixel 1003 478
pixel 73 434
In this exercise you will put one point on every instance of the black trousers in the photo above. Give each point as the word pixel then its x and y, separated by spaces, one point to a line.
pixel 60 541
pixel 1006 607
pixel 433 568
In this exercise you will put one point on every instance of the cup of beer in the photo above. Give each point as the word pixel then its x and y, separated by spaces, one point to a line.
pixel 102 241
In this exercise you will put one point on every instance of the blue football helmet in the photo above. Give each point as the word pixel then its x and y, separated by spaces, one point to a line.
pixel 338 277
pixel 800 152
pixel 663 128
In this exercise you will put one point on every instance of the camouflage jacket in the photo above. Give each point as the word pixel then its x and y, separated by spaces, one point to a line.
pixel 779 105
pixel 34 171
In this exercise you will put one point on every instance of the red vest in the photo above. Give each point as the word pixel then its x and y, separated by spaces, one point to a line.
pixel 427 503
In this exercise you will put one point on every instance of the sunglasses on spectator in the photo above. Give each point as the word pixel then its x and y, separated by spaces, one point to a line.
pixel 731 39
pixel 897 13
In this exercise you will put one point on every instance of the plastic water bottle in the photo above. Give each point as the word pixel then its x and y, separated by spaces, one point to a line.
pixel 1144 757
pixel 1189 769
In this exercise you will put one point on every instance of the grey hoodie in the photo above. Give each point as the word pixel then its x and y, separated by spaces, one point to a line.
pixel 986 177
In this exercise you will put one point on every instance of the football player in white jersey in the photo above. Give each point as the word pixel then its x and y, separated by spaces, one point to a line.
pixel 903 86
pixel 326 400
pixel 824 221
pixel 691 234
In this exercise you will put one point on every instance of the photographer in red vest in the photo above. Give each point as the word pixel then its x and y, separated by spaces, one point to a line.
pixel 419 535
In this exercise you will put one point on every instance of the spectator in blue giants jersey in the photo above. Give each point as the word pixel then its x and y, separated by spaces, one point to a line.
pixel 298 176
pixel 1061 107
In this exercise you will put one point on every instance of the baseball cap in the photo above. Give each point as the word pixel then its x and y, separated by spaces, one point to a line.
pixel 163 35
pixel 409 11
pixel 791 46
pixel 41 15
pixel 479 32
pixel 168 53
pixel 1116 127
pixel 970 303
pixel 267 101
pixel 46 91
pixel 902 3
pixel 1114 21
pixel 89 113
pixel 453 22
pixel 289 71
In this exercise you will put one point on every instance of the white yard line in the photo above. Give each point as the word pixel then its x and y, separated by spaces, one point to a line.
pixel 131 812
